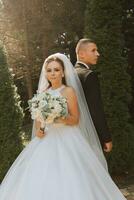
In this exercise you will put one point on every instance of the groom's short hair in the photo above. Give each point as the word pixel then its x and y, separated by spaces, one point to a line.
pixel 82 43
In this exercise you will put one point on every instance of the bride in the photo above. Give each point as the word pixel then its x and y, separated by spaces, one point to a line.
pixel 64 161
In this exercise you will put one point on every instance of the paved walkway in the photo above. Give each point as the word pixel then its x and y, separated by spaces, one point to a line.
pixel 126 185
pixel 128 192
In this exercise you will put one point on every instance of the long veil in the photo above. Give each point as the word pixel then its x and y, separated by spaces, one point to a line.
pixel 85 123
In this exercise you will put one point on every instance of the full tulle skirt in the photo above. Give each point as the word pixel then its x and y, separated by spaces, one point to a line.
pixel 60 166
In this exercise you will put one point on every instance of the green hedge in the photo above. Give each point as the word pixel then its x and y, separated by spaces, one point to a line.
pixel 103 23
pixel 11 116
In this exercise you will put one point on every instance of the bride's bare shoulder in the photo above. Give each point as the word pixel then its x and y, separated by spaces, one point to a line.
pixel 68 91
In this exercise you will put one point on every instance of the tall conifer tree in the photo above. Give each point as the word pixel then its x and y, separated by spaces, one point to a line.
pixel 104 24
pixel 10 118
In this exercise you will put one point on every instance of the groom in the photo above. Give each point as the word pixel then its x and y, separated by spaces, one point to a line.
pixel 87 55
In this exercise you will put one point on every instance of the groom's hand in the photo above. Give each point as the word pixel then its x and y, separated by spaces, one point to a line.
pixel 108 146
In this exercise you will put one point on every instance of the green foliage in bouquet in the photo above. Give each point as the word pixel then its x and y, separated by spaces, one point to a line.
pixel 11 116
pixel 103 23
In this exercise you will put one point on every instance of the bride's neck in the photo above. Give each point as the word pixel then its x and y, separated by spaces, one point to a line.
pixel 56 85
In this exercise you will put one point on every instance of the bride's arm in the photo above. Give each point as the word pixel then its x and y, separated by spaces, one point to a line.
pixel 37 125
pixel 73 116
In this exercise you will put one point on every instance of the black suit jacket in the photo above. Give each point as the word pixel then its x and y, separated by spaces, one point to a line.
pixel 91 87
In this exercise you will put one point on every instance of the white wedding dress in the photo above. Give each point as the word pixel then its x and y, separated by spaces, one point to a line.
pixel 60 166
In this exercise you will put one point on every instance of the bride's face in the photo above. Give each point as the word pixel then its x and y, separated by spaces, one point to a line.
pixel 54 72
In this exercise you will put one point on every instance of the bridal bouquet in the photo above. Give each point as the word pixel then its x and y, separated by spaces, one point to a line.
pixel 46 108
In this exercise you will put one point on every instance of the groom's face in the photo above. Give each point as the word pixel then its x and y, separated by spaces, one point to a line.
pixel 90 54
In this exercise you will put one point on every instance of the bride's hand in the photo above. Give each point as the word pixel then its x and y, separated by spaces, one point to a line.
pixel 40 133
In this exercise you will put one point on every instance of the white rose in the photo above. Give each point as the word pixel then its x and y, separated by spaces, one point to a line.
pixel 42 103
pixel 35 113
pixel 57 107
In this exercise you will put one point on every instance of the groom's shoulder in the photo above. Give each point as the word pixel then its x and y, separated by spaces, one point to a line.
pixel 85 74
pixel 81 70
pixel 93 76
